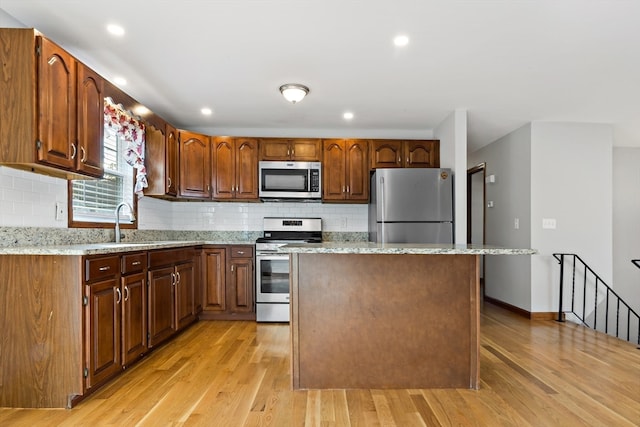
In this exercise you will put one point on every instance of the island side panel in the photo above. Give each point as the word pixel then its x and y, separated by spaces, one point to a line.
pixel 384 321
pixel 41 323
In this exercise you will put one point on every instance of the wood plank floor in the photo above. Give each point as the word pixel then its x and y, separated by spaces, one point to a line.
pixel 533 373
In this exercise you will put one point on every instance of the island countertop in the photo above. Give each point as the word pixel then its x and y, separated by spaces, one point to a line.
pixel 400 248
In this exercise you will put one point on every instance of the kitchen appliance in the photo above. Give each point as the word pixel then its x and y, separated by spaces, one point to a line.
pixel 411 205
pixel 272 268
pixel 282 180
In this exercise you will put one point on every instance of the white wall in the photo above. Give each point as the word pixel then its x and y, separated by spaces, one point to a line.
pixel 571 181
pixel 452 133
pixel 507 278
pixel 626 224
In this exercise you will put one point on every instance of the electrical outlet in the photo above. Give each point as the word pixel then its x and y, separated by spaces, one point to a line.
pixel 343 223
pixel 516 223
pixel 61 211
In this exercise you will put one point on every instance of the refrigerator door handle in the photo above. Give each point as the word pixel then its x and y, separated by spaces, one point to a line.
pixel 383 207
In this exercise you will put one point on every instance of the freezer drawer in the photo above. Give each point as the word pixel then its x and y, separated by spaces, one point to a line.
pixel 416 232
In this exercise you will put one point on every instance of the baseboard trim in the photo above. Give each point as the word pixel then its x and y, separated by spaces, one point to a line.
pixel 537 315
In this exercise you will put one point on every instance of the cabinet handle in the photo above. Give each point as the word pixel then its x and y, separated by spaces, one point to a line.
pixel 119 296
pixel 293 153
pixel 169 182
pixel 105 268
pixel 83 157
pixel 173 279
pixel 399 159
pixel 178 275
pixel 232 268
pixel 408 160
pixel 348 190
pixel 136 263
pixel 208 187
pixel 126 293
pixel 73 153
pixel 343 189
pixel 241 252
pixel 288 152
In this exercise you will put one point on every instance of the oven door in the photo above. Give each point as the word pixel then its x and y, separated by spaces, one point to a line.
pixel 272 278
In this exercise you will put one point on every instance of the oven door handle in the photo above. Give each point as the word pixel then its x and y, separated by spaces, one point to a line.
pixel 271 256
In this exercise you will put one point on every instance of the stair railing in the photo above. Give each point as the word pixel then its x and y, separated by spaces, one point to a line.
pixel 580 268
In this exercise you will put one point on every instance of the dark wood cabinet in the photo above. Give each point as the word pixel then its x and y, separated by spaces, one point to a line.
pixel 345 173
pixel 228 282
pixel 235 168
pixel 172 286
pixel 299 149
pixel 195 165
pixel 134 306
pixel 103 299
pixel 162 161
pixel 51 108
pixel 90 119
pixel 393 153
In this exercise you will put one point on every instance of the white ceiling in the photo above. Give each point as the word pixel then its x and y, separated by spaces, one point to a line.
pixel 506 62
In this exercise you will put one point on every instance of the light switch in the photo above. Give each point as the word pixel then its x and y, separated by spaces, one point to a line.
pixel 549 223
pixel 516 223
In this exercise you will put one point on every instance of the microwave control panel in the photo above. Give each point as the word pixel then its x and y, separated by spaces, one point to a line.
pixel 315 180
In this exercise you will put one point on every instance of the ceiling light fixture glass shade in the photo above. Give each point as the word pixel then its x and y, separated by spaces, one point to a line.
pixel 294 92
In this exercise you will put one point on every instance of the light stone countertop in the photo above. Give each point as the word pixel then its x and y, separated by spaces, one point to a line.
pixel 111 247
pixel 400 249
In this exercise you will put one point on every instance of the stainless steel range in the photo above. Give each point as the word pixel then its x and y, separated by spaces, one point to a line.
pixel 272 268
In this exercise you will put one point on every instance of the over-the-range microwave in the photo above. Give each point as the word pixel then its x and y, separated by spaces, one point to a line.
pixel 295 180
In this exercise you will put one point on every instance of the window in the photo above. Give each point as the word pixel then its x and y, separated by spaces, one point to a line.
pixel 92 203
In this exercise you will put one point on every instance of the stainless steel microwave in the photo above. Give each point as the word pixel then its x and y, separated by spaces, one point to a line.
pixel 290 180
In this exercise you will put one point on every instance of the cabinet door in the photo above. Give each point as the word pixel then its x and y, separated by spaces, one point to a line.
pixel 241 286
pixel 214 287
pixel 422 154
pixel 90 121
pixel 386 153
pixel 185 307
pixel 333 174
pixel 103 331
pixel 171 161
pixel 161 305
pixel 308 150
pixel 195 165
pixel 275 149
pixel 155 155
pixel 134 317
pixel 223 168
pixel 57 106
pixel 357 170
pixel 246 165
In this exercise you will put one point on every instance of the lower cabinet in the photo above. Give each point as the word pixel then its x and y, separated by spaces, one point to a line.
pixel 116 309
pixel 228 280
pixel 172 289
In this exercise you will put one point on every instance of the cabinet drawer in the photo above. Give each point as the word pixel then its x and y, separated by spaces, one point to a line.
pixel 133 263
pixel 165 257
pixel 241 251
pixel 100 268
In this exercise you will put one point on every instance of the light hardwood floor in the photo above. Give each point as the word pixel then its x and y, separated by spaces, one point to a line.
pixel 220 373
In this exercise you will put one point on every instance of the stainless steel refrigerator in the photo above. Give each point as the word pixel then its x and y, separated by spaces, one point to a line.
pixel 411 205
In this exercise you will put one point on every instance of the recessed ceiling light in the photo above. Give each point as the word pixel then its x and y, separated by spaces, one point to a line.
pixel 348 115
pixel 116 30
pixel 120 81
pixel 401 40
pixel 206 111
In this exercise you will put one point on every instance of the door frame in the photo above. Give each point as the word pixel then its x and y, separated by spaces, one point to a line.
pixel 479 168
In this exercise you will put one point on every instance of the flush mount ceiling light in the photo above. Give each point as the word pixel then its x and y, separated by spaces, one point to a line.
pixel 294 92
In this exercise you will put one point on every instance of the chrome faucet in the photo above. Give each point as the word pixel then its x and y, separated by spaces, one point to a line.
pixel 117 213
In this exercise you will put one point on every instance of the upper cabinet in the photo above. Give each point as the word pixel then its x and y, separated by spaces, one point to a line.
pixel 346 170
pixel 394 153
pixel 195 165
pixel 308 150
pixel 51 108
pixel 235 168
pixel 162 160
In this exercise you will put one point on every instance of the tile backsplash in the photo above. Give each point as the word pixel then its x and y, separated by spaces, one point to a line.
pixel 29 200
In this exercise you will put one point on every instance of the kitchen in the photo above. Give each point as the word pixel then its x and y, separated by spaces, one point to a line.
pixel 201 217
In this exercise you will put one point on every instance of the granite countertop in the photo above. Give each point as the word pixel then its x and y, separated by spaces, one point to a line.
pixel 400 248
pixel 111 247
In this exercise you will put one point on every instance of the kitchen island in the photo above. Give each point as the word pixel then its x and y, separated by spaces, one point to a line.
pixel 369 315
